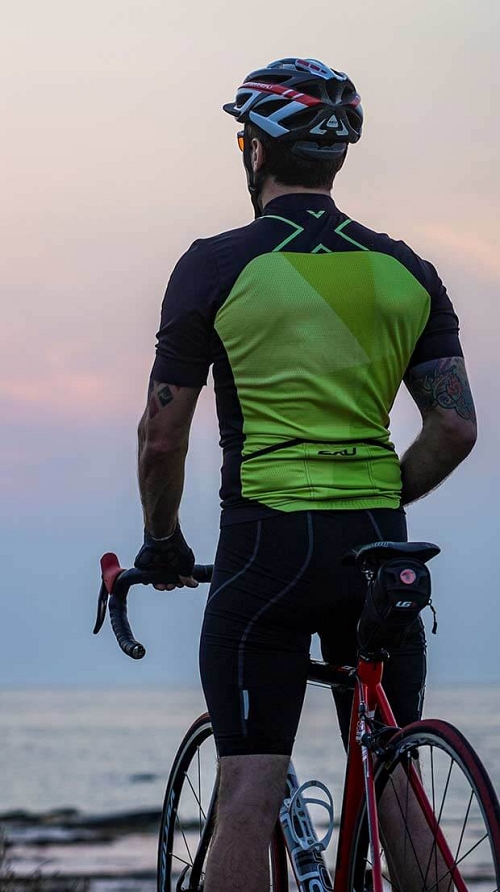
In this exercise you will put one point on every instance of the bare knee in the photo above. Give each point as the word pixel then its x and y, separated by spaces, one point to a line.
pixel 251 790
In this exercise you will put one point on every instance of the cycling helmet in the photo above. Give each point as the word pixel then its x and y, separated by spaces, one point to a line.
pixel 302 102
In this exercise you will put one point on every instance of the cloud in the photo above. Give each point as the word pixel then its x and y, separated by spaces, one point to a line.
pixel 466 247
pixel 81 397
pixel 87 395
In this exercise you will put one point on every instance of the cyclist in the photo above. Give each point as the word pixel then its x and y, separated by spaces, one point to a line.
pixel 311 321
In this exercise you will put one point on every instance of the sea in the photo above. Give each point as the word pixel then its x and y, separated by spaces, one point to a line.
pixel 104 756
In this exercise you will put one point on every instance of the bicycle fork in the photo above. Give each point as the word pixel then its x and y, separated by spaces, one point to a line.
pixel 304 847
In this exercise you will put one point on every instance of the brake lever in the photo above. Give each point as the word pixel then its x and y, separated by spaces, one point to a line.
pixel 102 606
pixel 110 570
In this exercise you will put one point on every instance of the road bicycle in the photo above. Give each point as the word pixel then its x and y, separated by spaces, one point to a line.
pixel 419 813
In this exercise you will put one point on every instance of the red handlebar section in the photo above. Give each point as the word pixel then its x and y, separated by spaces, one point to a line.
pixel 115 585
pixel 110 569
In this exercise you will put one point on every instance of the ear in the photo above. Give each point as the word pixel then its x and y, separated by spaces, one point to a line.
pixel 257 155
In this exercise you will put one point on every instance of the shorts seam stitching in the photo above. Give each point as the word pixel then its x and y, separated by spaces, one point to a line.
pixel 269 604
pixel 245 568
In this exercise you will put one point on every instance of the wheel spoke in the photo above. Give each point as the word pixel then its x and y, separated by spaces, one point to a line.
pixel 200 811
pixel 178 858
pixel 456 863
pixel 459 846
pixel 197 799
pixel 434 849
pixel 445 791
pixel 179 824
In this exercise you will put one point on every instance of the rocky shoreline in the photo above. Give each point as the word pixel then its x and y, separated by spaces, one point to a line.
pixel 68 826
pixel 65 850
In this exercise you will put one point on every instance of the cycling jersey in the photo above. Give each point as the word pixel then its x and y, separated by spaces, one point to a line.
pixel 311 321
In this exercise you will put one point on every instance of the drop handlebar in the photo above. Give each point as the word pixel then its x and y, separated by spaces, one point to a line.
pixel 115 586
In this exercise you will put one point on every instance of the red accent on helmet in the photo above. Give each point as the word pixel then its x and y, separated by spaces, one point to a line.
pixel 355 102
pixel 279 90
pixel 308 64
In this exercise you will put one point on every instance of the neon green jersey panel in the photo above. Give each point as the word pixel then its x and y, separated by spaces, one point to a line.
pixel 318 345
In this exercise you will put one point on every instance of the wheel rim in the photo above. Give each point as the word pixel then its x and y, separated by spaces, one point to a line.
pixel 463 814
pixel 187 806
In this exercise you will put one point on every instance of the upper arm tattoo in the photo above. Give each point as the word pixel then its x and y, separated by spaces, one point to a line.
pixel 159 396
pixel 444 383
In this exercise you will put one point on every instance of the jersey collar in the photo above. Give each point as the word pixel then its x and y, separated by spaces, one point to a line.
pixel 301 201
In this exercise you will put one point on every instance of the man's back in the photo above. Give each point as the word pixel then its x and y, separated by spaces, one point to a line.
pixel 311 320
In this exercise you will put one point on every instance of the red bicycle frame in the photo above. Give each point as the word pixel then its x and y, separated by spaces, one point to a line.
pixel 369 696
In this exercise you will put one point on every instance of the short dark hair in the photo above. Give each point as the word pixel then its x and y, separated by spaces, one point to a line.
pixel 289 169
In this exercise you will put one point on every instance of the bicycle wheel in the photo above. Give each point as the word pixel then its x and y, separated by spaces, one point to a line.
pixel 188 817
pixel 439 818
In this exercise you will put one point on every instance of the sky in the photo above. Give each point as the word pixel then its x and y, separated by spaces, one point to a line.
pixel 116 156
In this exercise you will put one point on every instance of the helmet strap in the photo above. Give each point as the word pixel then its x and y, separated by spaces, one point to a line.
pixel 255 180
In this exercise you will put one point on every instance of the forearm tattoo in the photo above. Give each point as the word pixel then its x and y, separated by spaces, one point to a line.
pixel 159 396
pixel 444 383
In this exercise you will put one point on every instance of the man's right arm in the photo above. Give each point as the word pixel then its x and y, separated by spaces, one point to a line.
pixel 441 390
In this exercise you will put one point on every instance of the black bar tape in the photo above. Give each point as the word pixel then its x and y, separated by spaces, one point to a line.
pixel 118 604
pixel 203 572
pixel 122 630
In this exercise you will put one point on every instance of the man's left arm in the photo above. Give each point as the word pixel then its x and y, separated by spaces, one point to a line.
pixel 163 444
pixel 183 356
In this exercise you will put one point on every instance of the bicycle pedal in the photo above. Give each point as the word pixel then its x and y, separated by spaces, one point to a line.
pixel 299 821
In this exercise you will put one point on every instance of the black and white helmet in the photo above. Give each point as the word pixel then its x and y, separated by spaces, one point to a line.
pixel 301 101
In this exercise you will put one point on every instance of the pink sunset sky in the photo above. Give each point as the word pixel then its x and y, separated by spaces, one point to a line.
pixel 116 155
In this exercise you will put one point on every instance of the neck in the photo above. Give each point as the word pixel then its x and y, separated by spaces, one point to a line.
pixel 271 189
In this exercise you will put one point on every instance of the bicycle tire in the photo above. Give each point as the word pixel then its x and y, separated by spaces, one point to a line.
pixel 470 821
pixel 185 836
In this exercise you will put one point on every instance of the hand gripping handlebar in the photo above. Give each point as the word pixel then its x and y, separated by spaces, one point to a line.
pixel 115 586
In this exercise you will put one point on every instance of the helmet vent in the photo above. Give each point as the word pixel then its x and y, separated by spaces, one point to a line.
pixel 273 78
pixel 313 90
pixel 266 109
pixel 304 118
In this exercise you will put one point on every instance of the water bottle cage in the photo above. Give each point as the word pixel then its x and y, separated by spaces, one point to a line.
pixel 301 829
pixel 397 591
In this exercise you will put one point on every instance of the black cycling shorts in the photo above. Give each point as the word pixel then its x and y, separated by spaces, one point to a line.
pixel 276 582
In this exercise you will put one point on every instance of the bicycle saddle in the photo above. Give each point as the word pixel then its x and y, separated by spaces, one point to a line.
pixel 376 552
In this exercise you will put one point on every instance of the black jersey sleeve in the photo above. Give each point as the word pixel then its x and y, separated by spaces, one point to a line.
pixel 183 350
pixel 440 336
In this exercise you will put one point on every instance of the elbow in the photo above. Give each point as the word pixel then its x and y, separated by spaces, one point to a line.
pixel 141 429
pixel 160 443
pixel 463 444
pixel 464 435
pixel 163 439
pixel 457 435
pixel 469 439
pixel 160 448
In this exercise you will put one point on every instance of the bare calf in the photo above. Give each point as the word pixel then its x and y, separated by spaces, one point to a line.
pixel 251 790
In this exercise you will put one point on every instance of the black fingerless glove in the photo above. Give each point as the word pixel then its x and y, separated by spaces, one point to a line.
pixel 171 555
